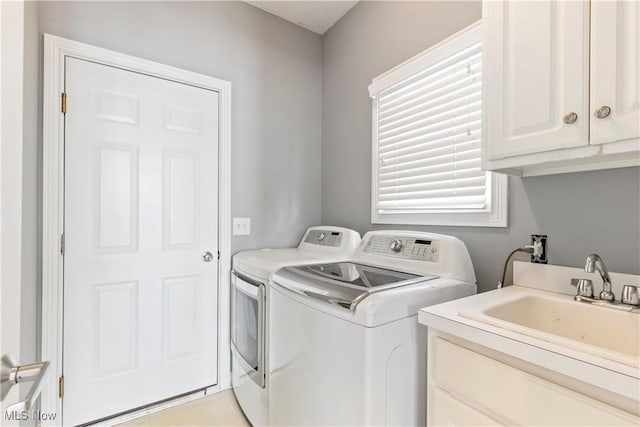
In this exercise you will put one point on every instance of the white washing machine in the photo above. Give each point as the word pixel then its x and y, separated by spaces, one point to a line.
pixel 345 345
pixel 250 309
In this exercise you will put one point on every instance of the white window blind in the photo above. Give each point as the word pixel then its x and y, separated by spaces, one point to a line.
pixel 429 129
pixel 427 133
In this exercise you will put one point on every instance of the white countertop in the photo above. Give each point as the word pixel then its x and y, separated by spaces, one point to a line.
pixel 616 377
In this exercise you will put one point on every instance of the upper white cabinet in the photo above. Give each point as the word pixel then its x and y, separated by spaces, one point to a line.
pixel 615 71
pixel 535 73
pixel 561 86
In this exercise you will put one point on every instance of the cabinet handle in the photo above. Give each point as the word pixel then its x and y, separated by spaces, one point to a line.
pixel 570 118
pixel 602 112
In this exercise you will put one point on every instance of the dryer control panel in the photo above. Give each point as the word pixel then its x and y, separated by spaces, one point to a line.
pixel 404 247
pixel 324 238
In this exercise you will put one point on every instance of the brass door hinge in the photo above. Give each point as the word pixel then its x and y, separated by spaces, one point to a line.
pixel 62 245
pixel 63 103
pixel 61 387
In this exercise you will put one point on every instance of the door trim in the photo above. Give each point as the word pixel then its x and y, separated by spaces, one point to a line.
pixel 12 81
pixel 55 51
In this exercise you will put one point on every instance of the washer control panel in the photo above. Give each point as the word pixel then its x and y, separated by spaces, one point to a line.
pixel 324 238
pixel 404 247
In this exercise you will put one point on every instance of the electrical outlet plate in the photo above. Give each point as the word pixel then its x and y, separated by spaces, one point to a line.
pixel 542 238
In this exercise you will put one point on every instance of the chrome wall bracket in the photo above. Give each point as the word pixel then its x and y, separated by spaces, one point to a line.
pixel 12 374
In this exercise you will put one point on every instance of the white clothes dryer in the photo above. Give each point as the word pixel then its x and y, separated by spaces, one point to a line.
pixel 250 302
pixel 345 344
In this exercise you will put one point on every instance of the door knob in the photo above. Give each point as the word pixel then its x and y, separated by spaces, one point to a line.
pixel 207 257
pixel 602 112
pixel 570 118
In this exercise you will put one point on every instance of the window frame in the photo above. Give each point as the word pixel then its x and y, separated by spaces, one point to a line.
pixel 496 214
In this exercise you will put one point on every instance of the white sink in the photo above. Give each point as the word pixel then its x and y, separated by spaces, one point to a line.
pixel 604 332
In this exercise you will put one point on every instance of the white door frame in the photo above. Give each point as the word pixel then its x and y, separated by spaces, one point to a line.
pixel 11 145
pixel 55 51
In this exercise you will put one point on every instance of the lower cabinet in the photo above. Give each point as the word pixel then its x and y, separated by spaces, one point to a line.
pixel 470 388
pixel 446 410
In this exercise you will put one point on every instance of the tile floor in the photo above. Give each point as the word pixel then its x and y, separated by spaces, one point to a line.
pixel 220 409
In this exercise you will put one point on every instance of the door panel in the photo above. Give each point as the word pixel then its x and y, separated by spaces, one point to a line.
pixel 116 210
pixel 536 55
pixel 116 321
pixel 615 70
pixel 140 305
pixel 181 317
pixel 180 210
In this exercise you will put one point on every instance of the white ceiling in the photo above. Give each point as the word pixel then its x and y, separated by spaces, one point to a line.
pixel 315 15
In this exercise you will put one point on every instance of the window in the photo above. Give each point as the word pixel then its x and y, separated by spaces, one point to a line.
pixel 427 117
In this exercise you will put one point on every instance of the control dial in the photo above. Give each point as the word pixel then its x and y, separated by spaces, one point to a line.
pixel 321 237
pixel 396 245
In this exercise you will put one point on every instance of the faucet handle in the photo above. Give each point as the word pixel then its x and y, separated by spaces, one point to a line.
pixel 630 295
pixel 584 287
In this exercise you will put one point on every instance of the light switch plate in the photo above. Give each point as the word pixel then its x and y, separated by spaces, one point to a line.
pixel 241 226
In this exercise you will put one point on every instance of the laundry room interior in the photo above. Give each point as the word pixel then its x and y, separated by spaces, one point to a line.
pixel 318 212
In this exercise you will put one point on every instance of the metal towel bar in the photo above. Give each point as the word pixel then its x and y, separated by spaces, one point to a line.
pixel 11 373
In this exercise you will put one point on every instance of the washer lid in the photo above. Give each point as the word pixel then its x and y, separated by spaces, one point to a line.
pixel 261 263
pixel 343 283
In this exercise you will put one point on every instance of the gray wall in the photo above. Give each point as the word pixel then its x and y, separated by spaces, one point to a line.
pixel 276 73
pixel 581 212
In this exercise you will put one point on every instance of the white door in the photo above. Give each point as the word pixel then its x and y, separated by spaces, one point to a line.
pixel 615 71
pixel 535 74
pixel 141 208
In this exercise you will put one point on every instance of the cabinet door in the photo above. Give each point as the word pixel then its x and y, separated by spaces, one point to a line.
pixel 615 70
pixel 516 396
pixel 445 410
pixel 535 73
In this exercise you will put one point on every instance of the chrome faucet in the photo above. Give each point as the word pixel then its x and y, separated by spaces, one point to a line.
pixel 593 263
